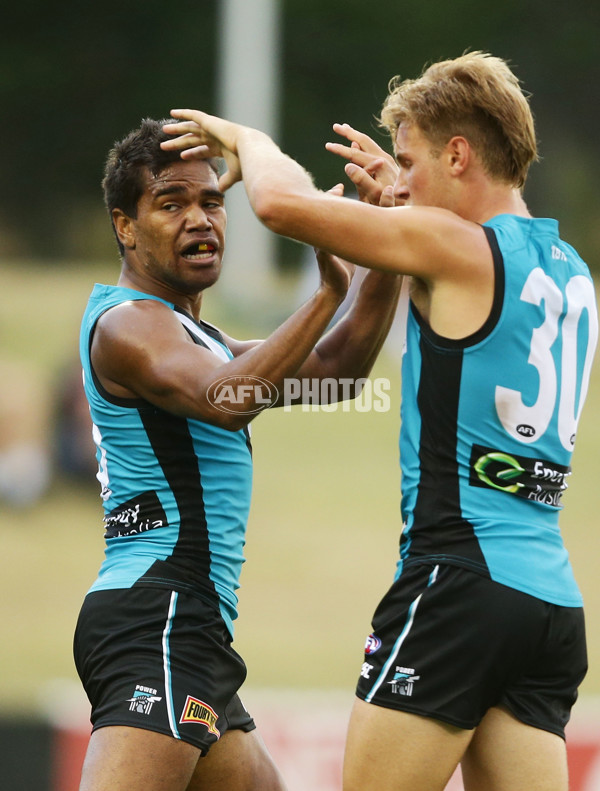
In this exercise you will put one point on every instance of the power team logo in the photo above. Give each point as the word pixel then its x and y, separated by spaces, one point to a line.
pixel 143 699
pixel 403 681
pixel 197 711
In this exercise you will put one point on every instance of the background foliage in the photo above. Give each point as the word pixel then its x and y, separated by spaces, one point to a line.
pixel 74 77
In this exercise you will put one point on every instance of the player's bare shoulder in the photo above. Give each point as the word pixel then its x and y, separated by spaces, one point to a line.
pixel 137 322
pixel 456 291
pixel 128 337
pixel 440 245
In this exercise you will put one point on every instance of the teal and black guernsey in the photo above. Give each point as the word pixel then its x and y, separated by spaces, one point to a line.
pixel 176 491
pixel 489 421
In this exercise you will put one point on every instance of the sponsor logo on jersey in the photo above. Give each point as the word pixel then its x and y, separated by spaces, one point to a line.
pixel 143 699
pixel 197 711
pixel 537 480
pixel 138 515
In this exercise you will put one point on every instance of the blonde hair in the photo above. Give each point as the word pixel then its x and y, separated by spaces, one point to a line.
pixel 475 96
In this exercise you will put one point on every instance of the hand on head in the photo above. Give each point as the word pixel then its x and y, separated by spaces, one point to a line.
pixel 199 135
pixel 371 169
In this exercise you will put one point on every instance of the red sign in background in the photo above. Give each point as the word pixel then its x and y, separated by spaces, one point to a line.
pixel 305 733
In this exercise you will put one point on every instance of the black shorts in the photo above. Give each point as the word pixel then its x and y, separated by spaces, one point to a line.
pixel 449 643
pixel 160 660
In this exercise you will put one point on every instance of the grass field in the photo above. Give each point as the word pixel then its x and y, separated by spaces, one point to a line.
pixel 322 539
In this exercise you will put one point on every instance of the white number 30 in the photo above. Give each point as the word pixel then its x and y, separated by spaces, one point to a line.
pixel 528 423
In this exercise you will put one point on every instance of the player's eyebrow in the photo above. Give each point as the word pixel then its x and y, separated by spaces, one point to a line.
pixel 168 189
pixel 213 193
pixel 177 189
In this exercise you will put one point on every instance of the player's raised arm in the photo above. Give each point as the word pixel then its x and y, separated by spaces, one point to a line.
pixel 423 241
pixel 140 349
pixel 349 350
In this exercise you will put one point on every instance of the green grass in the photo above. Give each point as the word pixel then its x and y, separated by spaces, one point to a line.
pixel 322 538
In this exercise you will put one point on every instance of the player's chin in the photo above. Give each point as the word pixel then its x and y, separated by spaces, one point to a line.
pixel 192 280
pixel 206 274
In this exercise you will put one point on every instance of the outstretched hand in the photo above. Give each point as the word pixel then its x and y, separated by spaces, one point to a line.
pixel 371 169
pixel 199 135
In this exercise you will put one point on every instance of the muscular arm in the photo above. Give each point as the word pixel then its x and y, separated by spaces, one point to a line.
pixel 140 350
pixel 427 242
pixel 349 349
pixel 447 254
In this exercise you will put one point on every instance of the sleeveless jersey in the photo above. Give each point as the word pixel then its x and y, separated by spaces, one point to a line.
pixel 176 491
pixel 488 422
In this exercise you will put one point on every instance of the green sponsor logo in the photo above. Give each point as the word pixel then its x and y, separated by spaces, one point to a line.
pixel 512 470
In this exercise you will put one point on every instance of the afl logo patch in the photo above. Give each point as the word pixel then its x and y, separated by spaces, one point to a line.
pixel 197 711
pixel 525 431
pixel 373 644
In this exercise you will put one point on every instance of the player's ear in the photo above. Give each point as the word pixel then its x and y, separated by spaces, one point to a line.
pixel 458 152
pixel 124 228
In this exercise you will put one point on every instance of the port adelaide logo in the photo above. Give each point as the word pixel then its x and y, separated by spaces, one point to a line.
pixel 143 699
pixel 403 681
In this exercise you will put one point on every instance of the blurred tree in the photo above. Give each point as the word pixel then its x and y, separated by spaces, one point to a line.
pixel 75 77
pixel 340 55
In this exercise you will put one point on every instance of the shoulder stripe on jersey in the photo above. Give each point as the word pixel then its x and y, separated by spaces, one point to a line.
pixel 202 335
pixel 210 337
pixel 499 283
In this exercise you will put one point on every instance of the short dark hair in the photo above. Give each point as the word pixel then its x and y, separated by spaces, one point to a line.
pixel 127 162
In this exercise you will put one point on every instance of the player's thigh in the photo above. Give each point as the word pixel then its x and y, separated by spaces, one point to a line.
pixel 239 761
pixel 120 758
pixel 390 750
pixel 507 755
